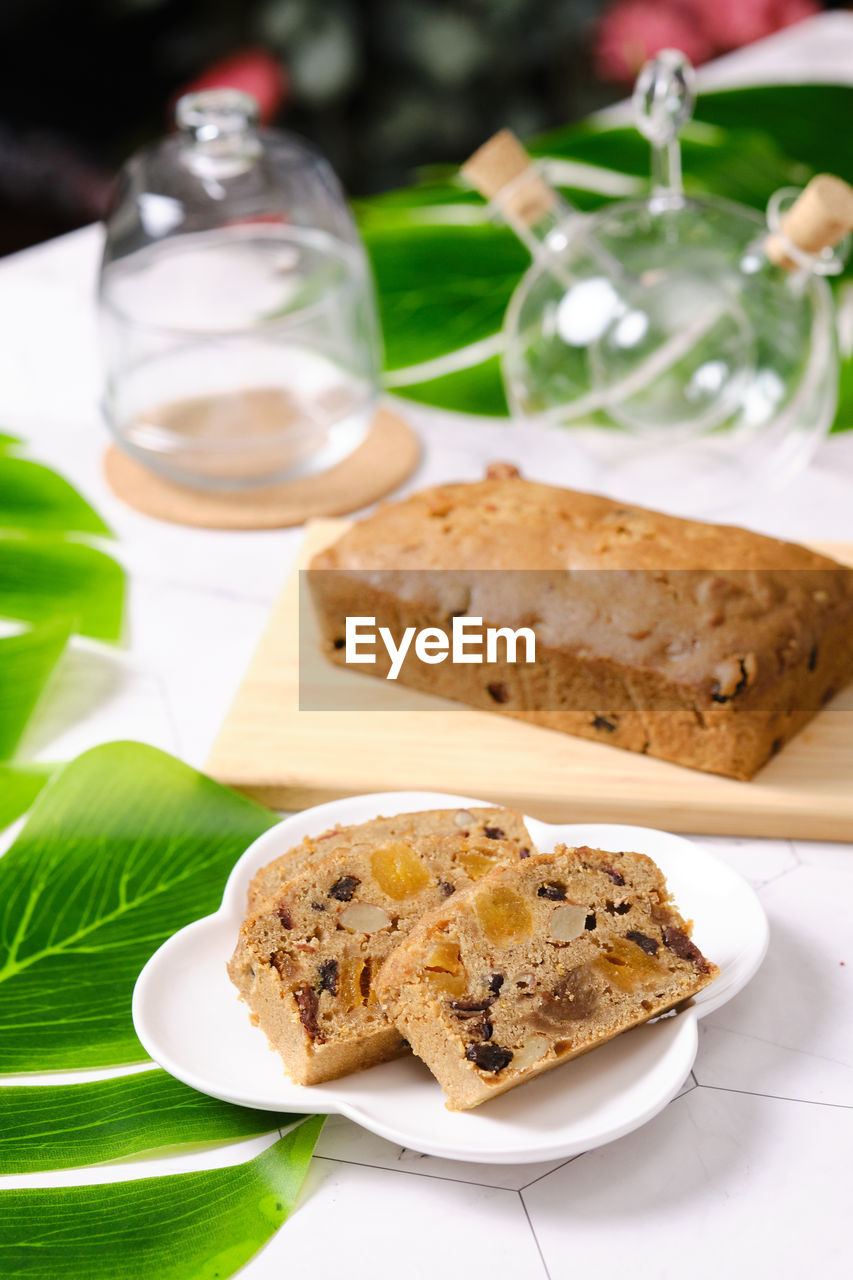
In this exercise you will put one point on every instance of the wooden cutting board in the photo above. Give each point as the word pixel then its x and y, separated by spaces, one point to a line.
pixel 288 759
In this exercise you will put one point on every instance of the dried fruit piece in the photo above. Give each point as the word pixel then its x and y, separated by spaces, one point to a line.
pixel 399 871
pixel 503 915
pixel 447 984
pixel 444 955
pixel 462 818
pixel 349 985
pixel 476 864
pixel 364 981
pixel 444 969
pixel 494 833
pixel 344 888
pixel 308 1002
pixel 678 942
pixel 552 890
pixel 567 923
pixel 328 973
pixel 284 916
pixel 489 1057
pixel 494 982
pixel 363 917
pixel 469 1008
pixel 626 966
pixel 649 945
pixel 572 999
pixel 283 964
pixel 615 876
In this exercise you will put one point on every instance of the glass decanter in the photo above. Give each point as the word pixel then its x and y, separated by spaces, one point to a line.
pixel 684 341
pixel 238 317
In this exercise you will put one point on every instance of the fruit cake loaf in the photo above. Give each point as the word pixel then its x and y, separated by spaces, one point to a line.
pixel 481 826
pixel 539 962
pixel 702 644
pixel 309 949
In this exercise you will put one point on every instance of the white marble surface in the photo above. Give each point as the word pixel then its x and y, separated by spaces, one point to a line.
pixel 747 1172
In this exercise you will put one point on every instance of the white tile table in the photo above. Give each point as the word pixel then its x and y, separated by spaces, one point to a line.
pixel 748 1172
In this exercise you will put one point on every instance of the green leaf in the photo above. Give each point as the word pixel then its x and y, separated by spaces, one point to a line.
pixel 124 846
pixel 445 274
pixel 26 662
pixel 738 164
pixel 43 578
pixel 64 1126
pixel 442 288
pixel 476 390
pixel 804 120
pixel 19 786
pixel 189 1226
pixel 34 497
pixel 844 413
pixel 7 442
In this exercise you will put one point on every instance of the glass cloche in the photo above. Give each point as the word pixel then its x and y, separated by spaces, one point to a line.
pixel 238 318
pixel 677 335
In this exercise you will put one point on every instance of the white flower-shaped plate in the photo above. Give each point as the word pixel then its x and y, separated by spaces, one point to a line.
pixel 192 1022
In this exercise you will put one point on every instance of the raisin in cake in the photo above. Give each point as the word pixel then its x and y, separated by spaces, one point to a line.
pixel 319 927
pixel 541 961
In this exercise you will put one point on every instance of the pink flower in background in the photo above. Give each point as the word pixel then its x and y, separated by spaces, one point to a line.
pixel 633 30
pixel 733 23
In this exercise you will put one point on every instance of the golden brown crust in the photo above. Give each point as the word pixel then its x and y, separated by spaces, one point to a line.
pixel 703 644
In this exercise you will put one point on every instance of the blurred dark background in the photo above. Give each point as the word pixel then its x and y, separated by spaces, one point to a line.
pixel 380 85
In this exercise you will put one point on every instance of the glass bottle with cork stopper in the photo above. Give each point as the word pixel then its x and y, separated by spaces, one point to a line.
pixel 705 336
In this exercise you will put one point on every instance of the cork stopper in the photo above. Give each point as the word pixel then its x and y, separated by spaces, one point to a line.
pixel 820 216
pixel 501 170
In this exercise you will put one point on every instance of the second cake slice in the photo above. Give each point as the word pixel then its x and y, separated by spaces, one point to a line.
pixel 539 962
pixel 313 941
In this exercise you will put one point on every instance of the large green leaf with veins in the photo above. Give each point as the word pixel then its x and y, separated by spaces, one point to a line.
pixel 124 846
pixel 64 1126
pixel 442 288
pixel 189 1226
pixel 26 663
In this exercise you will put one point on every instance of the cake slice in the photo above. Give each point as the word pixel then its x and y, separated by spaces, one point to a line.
pixel 322 920
pixel 542 960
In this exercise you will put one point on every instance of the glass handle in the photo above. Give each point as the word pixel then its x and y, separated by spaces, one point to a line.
pixel 663 102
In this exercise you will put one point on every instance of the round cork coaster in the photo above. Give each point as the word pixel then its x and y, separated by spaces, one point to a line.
pixel 386 458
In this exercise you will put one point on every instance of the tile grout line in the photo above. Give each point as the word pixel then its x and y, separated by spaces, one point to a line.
pixel 520 1195
pixel 776 1097
pixel 416 1173
pixel 548 1173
